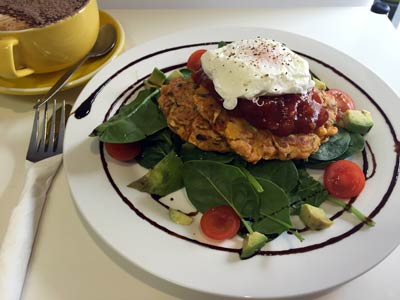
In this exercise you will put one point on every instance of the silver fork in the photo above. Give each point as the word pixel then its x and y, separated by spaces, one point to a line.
pixel 43 160
pixel 43 145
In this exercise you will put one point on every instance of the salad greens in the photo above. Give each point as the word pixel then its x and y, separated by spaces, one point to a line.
pixel 335 147
pixel 264 195
pixel 131 123
pixel 210 184
pixel 308 190
pixel 341 146
pixel 283 173
pixel 274 209
pixel 156 146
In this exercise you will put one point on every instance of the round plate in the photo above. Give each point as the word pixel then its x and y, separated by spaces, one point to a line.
pixel 138 228
pixel 41 83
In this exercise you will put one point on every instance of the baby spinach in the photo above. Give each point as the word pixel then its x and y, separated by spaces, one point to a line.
pixel 222 44
pixel 253 181
pixel 335 147
pixel 239 162
pixel 209 184
pixel 308 190
pixel 156 146
pixel 134 121
pixel 282 173
pixel 356 145
pixel 163 179
pixel 191 152
pixel 186 72
pixel 274 205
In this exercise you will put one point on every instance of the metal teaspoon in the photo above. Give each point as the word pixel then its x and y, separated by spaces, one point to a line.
pixel 104 43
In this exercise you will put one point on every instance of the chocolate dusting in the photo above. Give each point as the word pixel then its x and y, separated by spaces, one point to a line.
pixel 38 13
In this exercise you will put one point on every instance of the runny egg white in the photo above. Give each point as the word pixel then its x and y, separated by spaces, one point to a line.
pixel 255 67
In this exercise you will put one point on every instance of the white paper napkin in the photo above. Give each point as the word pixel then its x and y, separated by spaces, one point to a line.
pixel 17 244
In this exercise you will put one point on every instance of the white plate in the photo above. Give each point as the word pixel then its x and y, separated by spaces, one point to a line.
pixel 128 227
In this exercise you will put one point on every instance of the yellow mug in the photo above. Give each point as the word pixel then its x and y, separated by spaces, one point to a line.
pixel 49 48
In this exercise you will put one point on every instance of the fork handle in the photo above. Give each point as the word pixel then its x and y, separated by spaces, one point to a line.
pixel 17 244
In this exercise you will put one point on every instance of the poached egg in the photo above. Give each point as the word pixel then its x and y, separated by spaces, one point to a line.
pixel 256 67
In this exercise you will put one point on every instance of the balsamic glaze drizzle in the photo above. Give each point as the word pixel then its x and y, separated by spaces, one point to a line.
pixel 84 109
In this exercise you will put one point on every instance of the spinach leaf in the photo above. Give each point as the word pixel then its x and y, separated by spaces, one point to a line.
pixel 308 190
pixel 156 146
pixel 356 145
pixel 274 206
pixel 316 164
pixel 253 181
pixel 134 121
pixel 282 173
pixel 239 162
pixel 186 73
pixel 163 179
pixel 209 184
pixel 222 44
pixel 191 152
pixel 335 147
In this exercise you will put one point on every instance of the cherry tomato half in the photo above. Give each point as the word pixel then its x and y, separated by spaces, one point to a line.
pixel 194 62
pixel 123 152
pixel 220 223
pixel 344 101
pixel 344 179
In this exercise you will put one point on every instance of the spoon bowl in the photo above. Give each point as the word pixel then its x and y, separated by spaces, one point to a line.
pixel 105 41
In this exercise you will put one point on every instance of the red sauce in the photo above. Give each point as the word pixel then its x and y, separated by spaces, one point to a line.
pixel 282 115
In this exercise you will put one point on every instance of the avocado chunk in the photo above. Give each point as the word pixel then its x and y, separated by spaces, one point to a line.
pixel 179 217
pixel 320 85
pixel 314 217
pixel 174 74
pixel 156 79
pixel 357 121
pixel 164 178
pixel 252 243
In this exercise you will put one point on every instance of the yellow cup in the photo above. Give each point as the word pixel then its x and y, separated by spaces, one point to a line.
pixel 49 48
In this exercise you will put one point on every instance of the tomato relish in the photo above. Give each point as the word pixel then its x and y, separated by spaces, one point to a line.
pixel 282 115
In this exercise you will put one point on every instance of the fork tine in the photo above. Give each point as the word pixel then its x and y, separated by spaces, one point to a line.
pixel 61 130
pixel 33 144
pixel 42 141
pixel 52 133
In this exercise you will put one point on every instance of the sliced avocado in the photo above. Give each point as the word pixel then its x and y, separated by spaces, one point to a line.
pixel 252 243
pixel 314 217
pixel 320 85
pixel 358 121
pixel 156 79
pixel 174 74
pixel 179 217
pixel 164 178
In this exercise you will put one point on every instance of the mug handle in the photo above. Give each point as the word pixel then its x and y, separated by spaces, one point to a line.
pixel 7 66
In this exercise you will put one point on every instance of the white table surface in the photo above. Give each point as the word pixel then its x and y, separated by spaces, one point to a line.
pixel 67 263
